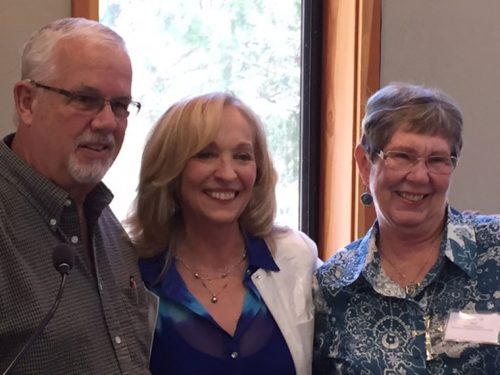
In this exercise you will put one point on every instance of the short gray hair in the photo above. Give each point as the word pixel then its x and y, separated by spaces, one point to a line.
pixel 411 108
pixel 38 52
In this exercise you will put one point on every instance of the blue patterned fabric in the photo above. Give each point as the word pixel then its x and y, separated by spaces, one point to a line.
pixel 365 323
pixel 188 341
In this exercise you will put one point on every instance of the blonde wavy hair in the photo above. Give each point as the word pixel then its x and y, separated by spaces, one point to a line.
pixel 184 130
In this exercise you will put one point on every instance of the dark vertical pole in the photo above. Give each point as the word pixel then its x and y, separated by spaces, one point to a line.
pixel 310 115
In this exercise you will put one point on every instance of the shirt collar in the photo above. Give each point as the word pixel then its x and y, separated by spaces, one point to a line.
pixel 45 196
pixel 459 246
pixel 171 283
pixel 151 269
pixel 458 242
pixel 42 193
pixel 259 255
pixel 461 243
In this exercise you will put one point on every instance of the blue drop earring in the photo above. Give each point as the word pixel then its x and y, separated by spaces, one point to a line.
pixel 366 198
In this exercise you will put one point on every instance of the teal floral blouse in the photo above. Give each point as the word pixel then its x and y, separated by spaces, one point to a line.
pixel 367 324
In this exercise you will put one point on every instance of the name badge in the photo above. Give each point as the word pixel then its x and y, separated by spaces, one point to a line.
pixel 481 328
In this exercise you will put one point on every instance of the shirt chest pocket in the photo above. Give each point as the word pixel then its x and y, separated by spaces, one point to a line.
pixel 141 306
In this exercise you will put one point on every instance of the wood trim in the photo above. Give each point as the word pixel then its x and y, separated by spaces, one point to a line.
pixel 337 117
pixel 351 62
pixel 368 80
pixel 85 8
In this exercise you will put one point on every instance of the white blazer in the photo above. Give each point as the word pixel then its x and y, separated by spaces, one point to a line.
pixel 288 293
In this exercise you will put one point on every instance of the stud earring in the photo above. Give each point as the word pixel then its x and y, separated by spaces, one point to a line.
pixel 366 198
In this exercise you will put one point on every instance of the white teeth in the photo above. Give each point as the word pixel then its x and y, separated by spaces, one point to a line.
pixel 222 196
pixel 412 197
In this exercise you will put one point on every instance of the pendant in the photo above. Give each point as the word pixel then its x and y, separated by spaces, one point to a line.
pixel 429 353
pixel 428 339
pixel 214 299
pixel 411 288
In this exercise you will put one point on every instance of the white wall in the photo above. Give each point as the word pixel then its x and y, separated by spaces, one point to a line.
pixel 18 19
pixel 454 45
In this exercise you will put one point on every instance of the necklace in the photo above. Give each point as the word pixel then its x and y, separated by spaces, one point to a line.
pixel 427 332
pixel 214 296
pixel 204 280
pixel 411 286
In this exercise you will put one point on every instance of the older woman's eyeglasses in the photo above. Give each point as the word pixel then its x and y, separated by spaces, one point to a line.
pixel 404 161
pixel 121 107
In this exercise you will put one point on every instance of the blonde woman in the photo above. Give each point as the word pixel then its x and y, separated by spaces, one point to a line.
pixel 235 290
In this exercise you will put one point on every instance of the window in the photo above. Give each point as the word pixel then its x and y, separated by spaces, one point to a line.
pixel 185 48
pixel 340 65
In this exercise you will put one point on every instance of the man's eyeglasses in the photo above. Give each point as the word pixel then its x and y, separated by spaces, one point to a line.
pixel 405 161
pixel 121 107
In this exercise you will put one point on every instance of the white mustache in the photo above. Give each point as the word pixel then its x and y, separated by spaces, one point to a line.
pixel 106 139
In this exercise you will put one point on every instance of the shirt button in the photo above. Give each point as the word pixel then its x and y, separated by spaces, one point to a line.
pixel 74 239
pixel 52 222
pixel 249 272
pixel 234 355
pixel 67 202
pixel 118 340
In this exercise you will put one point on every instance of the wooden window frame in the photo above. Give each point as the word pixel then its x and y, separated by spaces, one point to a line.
pixel 351 73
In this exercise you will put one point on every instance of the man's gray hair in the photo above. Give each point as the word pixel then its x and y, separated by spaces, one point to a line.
pixel 37 59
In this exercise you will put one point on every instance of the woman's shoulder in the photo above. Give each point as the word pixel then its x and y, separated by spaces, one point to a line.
pixel 487 234
pixel 348 253
pixel 291 242
pixel 483 229
pixel 344 266
pixel 472 217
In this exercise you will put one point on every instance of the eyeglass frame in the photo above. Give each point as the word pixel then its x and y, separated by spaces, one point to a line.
pixel 72 96
pixel 414 159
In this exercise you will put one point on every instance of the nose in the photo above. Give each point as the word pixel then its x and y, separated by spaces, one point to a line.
pixel 225 169
pixel 419 172
pixel 105 120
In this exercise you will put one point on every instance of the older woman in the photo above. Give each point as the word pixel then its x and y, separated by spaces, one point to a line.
pixel 235 290
pixel 404 298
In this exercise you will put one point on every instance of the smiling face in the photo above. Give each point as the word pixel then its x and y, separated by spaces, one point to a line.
pixel 217 183
pixel 72 147
pixel 410 199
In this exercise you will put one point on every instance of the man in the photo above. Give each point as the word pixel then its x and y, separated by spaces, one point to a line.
pixel 72 105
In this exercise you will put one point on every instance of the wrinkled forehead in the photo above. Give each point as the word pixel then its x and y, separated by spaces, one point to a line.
pixel 406 140
pixel 89 50
pixel 381 134
pixel 421 128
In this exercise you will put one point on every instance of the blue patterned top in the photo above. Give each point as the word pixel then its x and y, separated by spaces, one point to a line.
pixel 189 341
pixel 365 323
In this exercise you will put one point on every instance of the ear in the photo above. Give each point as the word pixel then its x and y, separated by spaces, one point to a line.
pixel 24 95
pixel 363 163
